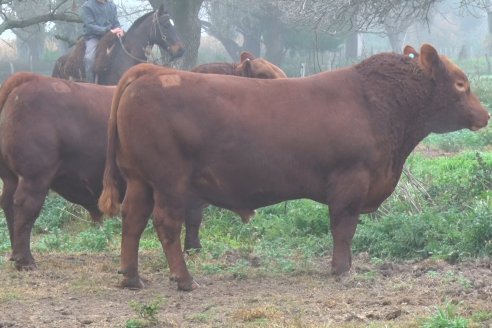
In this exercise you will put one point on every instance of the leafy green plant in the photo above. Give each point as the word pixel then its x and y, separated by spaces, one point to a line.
pixel 446 317
pixel 147 313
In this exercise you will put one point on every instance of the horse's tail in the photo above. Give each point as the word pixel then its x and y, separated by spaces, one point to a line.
pixel 109 201
pixel 59 67
pixel 13 82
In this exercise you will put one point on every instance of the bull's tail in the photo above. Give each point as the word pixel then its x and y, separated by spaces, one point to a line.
pixel 109 201
pixel 13 82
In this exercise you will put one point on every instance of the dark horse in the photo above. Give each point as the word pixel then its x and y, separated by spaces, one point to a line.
pixel 113 57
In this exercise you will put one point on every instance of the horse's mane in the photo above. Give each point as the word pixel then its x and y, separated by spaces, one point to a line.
pixel 139 21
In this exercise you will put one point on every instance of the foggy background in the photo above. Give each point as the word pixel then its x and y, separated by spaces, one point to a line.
pixel 301 36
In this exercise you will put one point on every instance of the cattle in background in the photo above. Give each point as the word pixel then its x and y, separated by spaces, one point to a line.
pixel 249 66
pixel 340 138
pixel 53 135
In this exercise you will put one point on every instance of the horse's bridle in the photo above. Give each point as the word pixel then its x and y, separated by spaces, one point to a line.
pixel 155 26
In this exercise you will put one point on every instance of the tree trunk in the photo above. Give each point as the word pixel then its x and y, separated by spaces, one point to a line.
pixel 352 46
pixel 274 43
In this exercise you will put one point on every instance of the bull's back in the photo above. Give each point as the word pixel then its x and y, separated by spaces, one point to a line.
pixel 50 123
pixel 232 133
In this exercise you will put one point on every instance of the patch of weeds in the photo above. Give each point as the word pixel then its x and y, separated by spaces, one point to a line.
pixel 257 315
pixel 460 279
pixel 481 316
pixel 432 274
pixel 212 268
pixel 97 238
pixel 54 241
pixel 205 316
pixel 55 213
pixel 240 270
pixel 4 235
pixel 446 317
pixel 8 296
pixel 377 261
pixel 367 276
pixel 146 313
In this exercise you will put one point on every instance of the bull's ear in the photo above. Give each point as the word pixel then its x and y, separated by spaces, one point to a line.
pixel 409 51
pixel 429 58
pixel 247 68
pixel 245 55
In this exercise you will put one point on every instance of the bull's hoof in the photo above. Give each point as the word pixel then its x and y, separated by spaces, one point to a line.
pixel 26 266
pixel 173 277
pixel 342 272
pixel 190 250
pixel 132 283
pixel 188 286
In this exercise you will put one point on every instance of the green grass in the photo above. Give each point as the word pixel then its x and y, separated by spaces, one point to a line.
pixel 446 317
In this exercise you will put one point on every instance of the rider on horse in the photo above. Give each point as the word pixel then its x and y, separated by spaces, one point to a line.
pixel 99 17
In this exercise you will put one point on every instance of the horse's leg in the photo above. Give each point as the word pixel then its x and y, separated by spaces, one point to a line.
pixel 168 218
pixel 28 200
pixel 136 209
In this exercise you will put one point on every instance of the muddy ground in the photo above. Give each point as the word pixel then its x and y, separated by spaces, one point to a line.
pixel 81 291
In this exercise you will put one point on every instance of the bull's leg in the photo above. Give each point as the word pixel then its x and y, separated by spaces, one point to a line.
pixel 193 220
pixel 345 206
pixel 343 225
pixel 7 204
pixel 136 209
pixel 168 222
pixel 28 200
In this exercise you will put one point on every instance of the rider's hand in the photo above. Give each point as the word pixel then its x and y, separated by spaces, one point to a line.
pixel 118 31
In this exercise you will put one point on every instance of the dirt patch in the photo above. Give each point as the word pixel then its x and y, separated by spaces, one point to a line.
pixel 81 291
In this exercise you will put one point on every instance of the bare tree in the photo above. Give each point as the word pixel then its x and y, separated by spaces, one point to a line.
pixel 51 11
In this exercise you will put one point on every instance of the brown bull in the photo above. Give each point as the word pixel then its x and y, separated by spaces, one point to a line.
pixel 340 138
pixel 249 66
pixel 52 136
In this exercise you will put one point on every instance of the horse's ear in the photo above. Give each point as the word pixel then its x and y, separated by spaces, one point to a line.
pixel 245 55
pixel 162 9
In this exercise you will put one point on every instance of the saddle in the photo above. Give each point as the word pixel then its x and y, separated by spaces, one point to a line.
pixel 71 65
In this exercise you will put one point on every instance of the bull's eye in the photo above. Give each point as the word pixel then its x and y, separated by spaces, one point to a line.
pixel 460 86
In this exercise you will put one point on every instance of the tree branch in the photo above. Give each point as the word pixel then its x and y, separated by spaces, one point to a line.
pixel 65 17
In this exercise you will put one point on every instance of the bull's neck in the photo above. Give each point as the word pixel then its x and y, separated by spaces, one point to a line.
pixel 398 94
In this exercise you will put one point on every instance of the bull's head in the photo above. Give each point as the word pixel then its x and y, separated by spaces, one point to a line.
pixel 455 106
pixel 258 68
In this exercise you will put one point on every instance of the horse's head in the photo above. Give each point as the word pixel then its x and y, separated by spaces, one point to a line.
pixel 164 33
